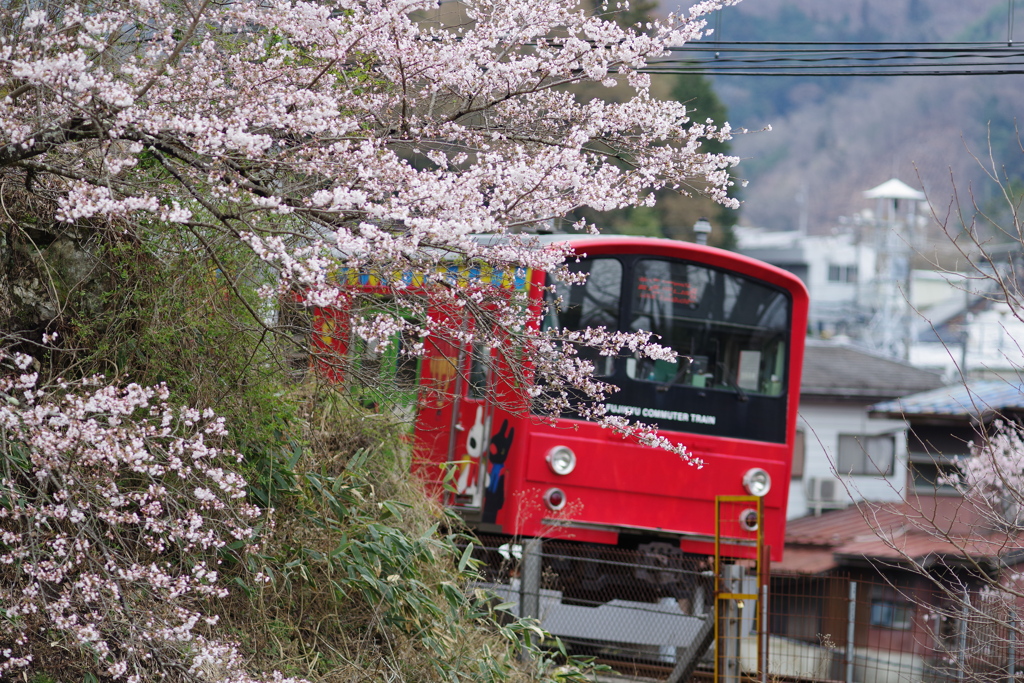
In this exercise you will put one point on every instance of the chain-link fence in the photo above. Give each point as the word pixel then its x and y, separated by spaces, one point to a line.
pixel 651 604
pixel 891 627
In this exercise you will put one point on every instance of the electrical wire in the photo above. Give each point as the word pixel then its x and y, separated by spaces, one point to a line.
pixel 842 59
pixel 772 58
pixel 806 58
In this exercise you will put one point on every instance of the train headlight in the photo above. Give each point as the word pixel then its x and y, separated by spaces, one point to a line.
pixel 757 482
pixel 748 519
pixel 561 460
pixel 554 499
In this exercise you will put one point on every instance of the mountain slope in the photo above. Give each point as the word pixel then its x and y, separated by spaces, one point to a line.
pixel 832 138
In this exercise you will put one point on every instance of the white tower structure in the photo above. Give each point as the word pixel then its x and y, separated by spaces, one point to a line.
pixel 895 219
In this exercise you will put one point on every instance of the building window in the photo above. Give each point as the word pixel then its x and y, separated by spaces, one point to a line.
pixel 838 273
pixel 888 614
pixel 890 609
pixel 799 450
pixel 864 454
pixel 933 476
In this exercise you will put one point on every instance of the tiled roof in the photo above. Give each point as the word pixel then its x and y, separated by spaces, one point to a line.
pixel 807 561
pixel 953 515
pixel 921 530
pixel 924 549
pixel 974 399
pixel 839 371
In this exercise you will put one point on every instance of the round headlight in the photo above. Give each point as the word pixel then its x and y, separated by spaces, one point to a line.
pixel 561 460
pixel 757 482
pixel 748 519
pixel 554 499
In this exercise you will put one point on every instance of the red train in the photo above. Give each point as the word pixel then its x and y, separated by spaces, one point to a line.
pixel 731 399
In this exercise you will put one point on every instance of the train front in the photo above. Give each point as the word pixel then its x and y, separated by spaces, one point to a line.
pixel 731 399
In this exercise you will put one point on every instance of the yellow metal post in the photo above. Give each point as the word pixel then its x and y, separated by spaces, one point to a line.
pixel 720 595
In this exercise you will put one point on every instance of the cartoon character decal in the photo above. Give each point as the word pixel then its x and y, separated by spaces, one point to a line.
pixel 467 485
pixel 500 446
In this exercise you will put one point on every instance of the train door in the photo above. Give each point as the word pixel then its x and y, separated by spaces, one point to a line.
pixel 472 434
pixel 455 414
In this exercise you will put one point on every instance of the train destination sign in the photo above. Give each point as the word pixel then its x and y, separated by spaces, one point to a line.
pixel 661 289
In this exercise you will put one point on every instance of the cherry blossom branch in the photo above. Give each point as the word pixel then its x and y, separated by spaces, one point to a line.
pixel 288 129
pixel 176 52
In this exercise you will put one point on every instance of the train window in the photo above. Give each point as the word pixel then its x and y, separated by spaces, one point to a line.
pixel 407 360
pixel 731 332
pixel 479 371
pixel 369 364
pixel 592 304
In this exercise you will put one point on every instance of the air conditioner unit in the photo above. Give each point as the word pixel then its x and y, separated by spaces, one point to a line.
pixel 825 493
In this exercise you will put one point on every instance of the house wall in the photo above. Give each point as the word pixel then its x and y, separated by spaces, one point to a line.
pixel 931 288
pixel 995 341
pixel 822 424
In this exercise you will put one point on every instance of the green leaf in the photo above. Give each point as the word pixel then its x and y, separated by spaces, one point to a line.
pixel 467 554
pixel 395 509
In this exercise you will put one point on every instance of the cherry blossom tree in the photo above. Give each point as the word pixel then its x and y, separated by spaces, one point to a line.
pixel 289 144
pixel 114 507
pixel 352 137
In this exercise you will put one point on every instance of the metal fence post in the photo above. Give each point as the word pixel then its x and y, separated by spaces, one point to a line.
pixel 961 638
pixel 763 635
pixel 851 619
pixel 529 584
pixel 729 625
pixel 1011 655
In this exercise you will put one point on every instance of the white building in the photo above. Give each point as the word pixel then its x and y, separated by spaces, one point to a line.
pixel 962 332
pixel 842 454
pixel 859 276
pixel 837 270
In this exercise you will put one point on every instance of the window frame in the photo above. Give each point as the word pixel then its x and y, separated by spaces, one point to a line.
pixel 892 614
pixel 890 608
pixel 866 465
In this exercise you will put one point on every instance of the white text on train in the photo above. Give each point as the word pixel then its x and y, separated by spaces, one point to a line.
pixel 657 414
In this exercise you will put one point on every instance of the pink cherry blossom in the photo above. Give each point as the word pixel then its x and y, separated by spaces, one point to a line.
pixel 363 136
pixel 95 500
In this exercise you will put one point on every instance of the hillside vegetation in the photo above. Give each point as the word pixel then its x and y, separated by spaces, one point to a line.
pixel 197 199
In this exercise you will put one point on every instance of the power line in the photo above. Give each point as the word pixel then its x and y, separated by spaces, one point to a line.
pixel 842 59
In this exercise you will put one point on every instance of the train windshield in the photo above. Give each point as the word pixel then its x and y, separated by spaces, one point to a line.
pixel 731 333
